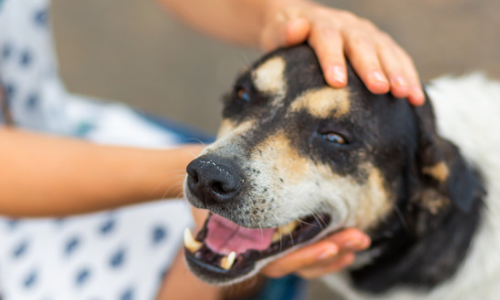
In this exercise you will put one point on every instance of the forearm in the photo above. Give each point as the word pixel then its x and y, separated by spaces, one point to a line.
pixel 180 283
pixel 52 176
pixel 238 21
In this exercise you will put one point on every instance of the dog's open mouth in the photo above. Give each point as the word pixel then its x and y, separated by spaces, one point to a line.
pixel 225 250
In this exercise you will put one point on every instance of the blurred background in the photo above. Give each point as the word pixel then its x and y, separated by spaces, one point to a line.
pixel 132 51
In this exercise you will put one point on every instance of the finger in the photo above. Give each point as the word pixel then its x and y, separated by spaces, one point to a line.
pixel 363 56
pixel 300 259
pixel 416 96
pixel 320 263
pixel 393 67
pixel 328 45
pixel 340 263
pixel 285 32
pixel 297 31
pixel 274 35
pixel 350 239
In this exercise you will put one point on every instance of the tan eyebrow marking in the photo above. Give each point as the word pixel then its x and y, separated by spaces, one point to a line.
pixel 229 127
pixel 322 102
pixel 225 128
pixel 269 78
pixel 440 171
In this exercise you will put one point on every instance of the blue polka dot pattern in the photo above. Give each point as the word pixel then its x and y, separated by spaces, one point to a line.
pixel 107 227
pixel 59 221
pixel 82 276
pixel 163 273
pixel 41 18
pixel 55 259
pixel 127 295
pixel 13 223
pixel 26 58
pixel 6 51
pixel 30 280
pixel 20 249
pixel 10 90
pixel 32 102
pixel 71 245
pixel 159 234
pixel 117 259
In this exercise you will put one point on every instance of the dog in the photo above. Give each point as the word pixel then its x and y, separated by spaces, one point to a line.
pixel 296 160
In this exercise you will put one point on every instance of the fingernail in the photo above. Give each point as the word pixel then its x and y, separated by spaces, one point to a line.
pixel 356 245
pixel 328 253
pixel 398 81
pixel 418 94
pixel 337 73
pixel 379 77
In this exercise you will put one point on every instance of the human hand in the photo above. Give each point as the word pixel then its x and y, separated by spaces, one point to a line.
pixel 328 255
pixel 378 60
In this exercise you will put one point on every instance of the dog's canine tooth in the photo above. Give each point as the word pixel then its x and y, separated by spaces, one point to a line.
pixel 191 244
pixel 283 230
pixel 286 229
pixel 227 262
pixel 276 236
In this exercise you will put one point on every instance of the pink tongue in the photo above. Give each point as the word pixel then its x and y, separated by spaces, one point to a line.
pixel 225 236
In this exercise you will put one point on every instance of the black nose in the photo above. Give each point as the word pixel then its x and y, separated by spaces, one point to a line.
pixel 213 180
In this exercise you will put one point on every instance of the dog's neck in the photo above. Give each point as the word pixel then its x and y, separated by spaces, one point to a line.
pixel 401 257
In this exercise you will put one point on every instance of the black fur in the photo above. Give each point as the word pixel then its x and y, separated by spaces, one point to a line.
pixel 422 247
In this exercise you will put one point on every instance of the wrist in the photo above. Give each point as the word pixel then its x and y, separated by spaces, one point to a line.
pixel 162 173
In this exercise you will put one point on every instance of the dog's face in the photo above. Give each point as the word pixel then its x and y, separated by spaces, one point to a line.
pixel 296 159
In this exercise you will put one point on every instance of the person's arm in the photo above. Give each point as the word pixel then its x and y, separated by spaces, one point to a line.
pixel 53 176
pixel 180 283
pixel 380 62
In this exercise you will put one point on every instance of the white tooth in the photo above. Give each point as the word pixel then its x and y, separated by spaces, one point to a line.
pixel 286 229
pixel 191 244
pixel 227 262
pixel 276 236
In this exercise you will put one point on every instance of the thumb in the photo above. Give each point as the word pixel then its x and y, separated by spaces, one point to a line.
pixel 285 33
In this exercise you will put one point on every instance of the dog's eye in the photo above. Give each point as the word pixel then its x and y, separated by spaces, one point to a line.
pixel 333 137
pixel 243 95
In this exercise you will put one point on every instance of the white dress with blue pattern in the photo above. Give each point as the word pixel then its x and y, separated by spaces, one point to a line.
pixel 121 254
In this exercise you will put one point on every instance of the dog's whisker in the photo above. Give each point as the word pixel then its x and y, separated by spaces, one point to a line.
pixel 401 217
pixel 197 140
pixel 174 174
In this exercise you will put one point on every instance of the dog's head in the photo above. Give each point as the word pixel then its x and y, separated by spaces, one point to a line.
pixel 296 159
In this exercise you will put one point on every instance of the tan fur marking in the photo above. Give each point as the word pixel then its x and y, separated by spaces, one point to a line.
pixel 284 159
pixel 440 171
pixel 433 201
pixel 225 128
pixel 374 203
pixel 228 136
pixel 269 77
pixel 322 102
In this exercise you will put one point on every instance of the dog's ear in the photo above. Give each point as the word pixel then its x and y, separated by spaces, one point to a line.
pixel 444 177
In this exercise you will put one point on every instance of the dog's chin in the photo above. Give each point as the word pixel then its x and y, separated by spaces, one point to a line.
pixel 224 252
